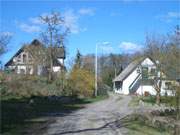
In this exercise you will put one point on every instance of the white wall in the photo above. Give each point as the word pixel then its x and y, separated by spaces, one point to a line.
pixel 164 90
pixel 147 62
pixel 146 88
pixel 21 67
pixel 128 81
pixel 56 68
pixel 61 60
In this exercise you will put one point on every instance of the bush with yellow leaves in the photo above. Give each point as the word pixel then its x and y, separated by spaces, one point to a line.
pixel 81 82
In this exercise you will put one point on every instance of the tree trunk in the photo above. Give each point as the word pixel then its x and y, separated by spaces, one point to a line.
pixel 158 98
pixel 158 89
pixel 177 106
pixel 51 59
pixel 158 95
pixel 50 69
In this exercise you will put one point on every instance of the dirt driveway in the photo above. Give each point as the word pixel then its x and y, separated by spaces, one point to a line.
pixel 100 118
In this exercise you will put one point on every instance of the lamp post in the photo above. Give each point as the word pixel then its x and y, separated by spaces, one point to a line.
pixel 96 66
pixel 95 92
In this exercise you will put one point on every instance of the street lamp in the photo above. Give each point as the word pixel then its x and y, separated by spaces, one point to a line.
pixel 95 92
pixel 101 45
pixel 96 76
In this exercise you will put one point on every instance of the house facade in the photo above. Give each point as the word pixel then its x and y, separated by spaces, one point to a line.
pixel 23 62
pixel 139 78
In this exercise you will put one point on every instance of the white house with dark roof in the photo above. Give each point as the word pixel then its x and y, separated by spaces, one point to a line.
pixel 138 78
pixel 22 61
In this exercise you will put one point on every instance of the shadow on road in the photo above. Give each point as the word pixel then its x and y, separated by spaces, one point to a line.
pixel 18 113
pixel 123 122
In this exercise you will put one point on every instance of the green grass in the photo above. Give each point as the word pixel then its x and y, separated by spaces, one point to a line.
pixel 139 128
pixel 134 102
pixel 18 113
pixel 149 99
pixel 168 100
pixel 152 100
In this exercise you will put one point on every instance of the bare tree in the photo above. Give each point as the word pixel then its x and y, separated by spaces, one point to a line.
pixel 172 64
pixel 166 49
pixel 4 41
pixel 53 36
pixel 88 62
pixel 155 49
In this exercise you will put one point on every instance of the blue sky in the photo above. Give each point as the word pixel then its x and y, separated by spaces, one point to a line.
pixel 116 26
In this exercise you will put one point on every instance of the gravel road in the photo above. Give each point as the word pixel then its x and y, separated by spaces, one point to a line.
pixel 100 118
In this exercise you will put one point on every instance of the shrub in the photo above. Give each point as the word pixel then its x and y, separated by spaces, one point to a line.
pixel 19 86
pixel 81 82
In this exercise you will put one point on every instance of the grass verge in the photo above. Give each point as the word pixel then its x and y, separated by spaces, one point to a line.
pixel 139 128
pixel 134 102
pixel 136 126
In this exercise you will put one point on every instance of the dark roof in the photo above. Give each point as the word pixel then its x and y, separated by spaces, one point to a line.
pixel 34 42
pixel 16 54
pixel 128 70
pixel 125 73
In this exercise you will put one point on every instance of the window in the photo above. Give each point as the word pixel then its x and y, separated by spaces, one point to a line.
pixel 138 70
pixel 118 85
pixel 168 85
pixel 18 58
pixel 153 71
pixel 24 58
pixel 145 72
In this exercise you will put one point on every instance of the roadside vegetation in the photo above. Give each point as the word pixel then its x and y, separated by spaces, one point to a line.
pixel 151 101
pixel 140 128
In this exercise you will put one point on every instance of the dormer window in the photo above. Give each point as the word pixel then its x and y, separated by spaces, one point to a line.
pixel 138 70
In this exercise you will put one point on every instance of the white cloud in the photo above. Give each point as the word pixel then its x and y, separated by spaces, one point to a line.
pixel 169 17
pixel 29 28
pixel 106 47
pixel 6 33
pixel 86 11
pixel 71 21
pixel 35 20
pixel 173 14
pixel 129 47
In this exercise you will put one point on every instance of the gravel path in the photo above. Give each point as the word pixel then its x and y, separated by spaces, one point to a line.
pixel 100 118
